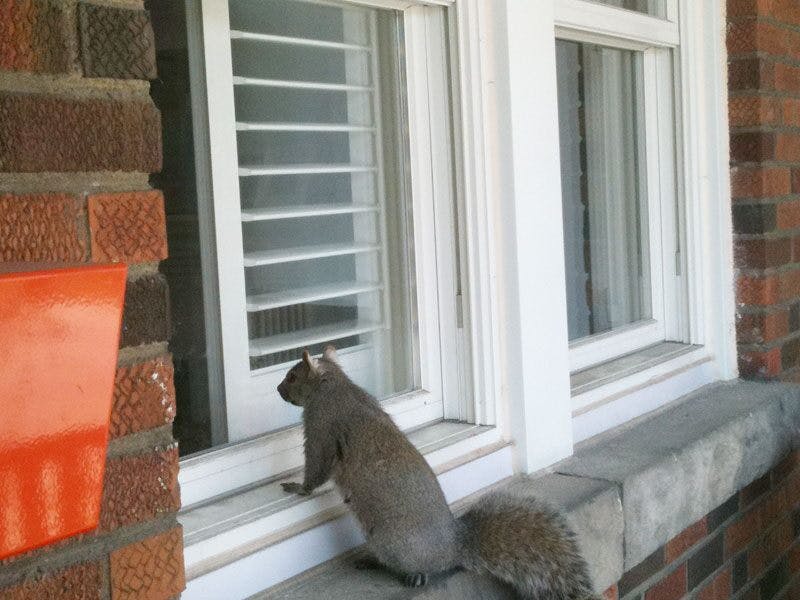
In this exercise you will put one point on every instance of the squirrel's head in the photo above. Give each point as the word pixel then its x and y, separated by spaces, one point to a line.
pixel 303 378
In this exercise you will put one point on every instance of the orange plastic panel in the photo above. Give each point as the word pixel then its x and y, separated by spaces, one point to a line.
pixel 59 334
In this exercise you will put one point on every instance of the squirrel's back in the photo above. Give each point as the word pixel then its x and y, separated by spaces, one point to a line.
pixel 526 543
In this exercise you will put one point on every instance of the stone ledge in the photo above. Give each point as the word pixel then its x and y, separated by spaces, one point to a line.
pixel 625 493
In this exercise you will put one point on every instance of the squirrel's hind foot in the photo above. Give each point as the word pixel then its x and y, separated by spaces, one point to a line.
pixel 415 580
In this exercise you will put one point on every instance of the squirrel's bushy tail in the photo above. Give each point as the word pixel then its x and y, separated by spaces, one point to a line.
pixel 526 544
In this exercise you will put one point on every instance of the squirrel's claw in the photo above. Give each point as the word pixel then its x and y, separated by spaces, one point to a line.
pixel 294 488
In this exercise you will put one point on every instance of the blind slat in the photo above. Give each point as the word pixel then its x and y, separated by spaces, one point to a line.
pixel 251 170
pixel 284 255
pixel 304 210
pixel 316 127
pixel 258 302
pixel 300 85
pixel 313 335
pixel 237 34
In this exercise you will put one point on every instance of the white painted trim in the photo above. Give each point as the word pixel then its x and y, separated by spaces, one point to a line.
pixel 536 359
pixel 615 24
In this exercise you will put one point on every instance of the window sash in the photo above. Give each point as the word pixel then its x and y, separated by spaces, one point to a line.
pixel 661 201
pixel 443 378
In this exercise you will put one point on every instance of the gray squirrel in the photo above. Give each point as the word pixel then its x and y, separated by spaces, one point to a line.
pixel 401 508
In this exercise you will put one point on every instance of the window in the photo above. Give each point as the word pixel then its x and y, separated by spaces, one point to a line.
pixel 326 175
pixel 618 130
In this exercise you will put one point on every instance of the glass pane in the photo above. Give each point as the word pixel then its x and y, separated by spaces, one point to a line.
pixel 324 205
pixel 600 101
pixel 655 8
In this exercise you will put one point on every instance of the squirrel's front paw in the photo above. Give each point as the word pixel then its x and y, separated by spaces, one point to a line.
pixel 294 488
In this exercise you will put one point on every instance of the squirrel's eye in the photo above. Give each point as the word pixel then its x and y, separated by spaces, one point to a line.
pixel 291 377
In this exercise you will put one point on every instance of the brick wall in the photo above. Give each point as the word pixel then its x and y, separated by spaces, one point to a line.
pixel 764 87
pixel 748 548
pixel 79 138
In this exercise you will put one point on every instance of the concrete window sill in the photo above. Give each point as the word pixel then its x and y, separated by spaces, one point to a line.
pixel 626 493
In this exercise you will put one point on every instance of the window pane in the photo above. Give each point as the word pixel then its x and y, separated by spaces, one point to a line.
pixel 324 208
pixel 603 187
pixel 655 8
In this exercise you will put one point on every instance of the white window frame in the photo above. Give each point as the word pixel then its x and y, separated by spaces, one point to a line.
pixel 547 419
pixel 448 342
pixel 600 24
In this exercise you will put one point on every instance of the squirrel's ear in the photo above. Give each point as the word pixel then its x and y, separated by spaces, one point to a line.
pixel 330 354
pixel 310 361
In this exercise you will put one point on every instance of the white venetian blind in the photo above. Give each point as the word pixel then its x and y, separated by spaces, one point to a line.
pixel 311 173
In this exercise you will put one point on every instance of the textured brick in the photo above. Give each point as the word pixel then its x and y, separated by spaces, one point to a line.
pixel 739 575
pixel 41 133
pixel 787 78
pixel 718 589
pixel 82 582
pixel 761 291
pixel 760 364
pixel 152 568
pixel 787 147
pixel 722 513
pixel 116 42
pixel 750 74
pixel 36 36
pixel 760 328
pixel 790 354
pixel 641 572
pixel 42 228
pixel 139 488
pixel 791 112
pixel 789 286
pixel 685 540
pixel 671 587
pixel 763 253
pixel 788 215
pixel 749 35
pixel 759 182
pixel 774 580
pixel 129 227
pixel 742 532
pixel 769 547
pixel 788 464
pixel 753 491
pixel 144 397
pixel 145 318
pixel 752 146
pixel 754 218
pixel 704 562
pixel 744 111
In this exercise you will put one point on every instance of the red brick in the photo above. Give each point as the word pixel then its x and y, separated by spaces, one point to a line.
pixel 611 593
pixel 785 467
pixel 42 133
pixel 751 73
pixel 129 227
pixel 35 35
pixel 787 11
pixel 794 559
pixel 750 35
pixel 139 488
pixel 762 253
pixel 718 589
pixel 771 546
pixel 787 78
pixel 685 540
pixel 760 291
pixel 144 397
pixel 760 182
pixel 753 146
pixel 152 568
pixel 787 147
pixel 748 8
pixel 116 42
pixel 671 587
pixel 790 110
pixel 145 318
pixel 746 111
pixel 82 581
pixel 788 214
pixel 762 328
pixel 739 534
pixel 42 228
pixel 760 364
pixel 774 506
pixel 789 285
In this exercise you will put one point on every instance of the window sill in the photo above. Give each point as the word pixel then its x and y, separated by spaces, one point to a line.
pixel 705 442
pixel 235 525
